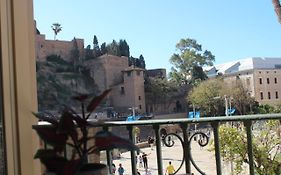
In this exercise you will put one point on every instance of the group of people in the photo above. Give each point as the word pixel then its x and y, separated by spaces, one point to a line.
pixel 170 170
pixel 142 162
pixel 120 169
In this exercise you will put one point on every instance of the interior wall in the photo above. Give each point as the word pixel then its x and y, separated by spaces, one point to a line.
pixel 19 86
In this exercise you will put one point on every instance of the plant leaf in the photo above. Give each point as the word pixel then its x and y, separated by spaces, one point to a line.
pixel 96 101
pixel 51 136
pixel 50 159
pixel 67 126
pixel 80 122
pixel 81 97
pixel 45 117
pixel 106 140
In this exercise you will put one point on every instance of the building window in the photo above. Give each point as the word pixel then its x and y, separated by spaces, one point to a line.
pixel 267 80
pixel 269 97
pixel 139 106
pixel 261 93
pixel 276 95
pixel 275 80
pixel 139 97
pixel 267 72
pixel 122 90
pixel 260 72
pixel 128 74
pixel 260 80
pixel 138 73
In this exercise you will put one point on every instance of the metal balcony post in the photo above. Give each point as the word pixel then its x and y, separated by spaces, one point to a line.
pixel 133 154
pixel 248 125
pixel 108 156
pixel 158 149
pixel 215 126
pixel 186 149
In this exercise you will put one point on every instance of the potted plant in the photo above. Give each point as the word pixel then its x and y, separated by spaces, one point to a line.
pixel 72 129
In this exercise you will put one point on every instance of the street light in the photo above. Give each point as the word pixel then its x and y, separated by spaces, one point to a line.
pixel 133 110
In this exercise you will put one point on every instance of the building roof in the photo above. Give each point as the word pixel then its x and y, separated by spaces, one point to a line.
pixel 243 65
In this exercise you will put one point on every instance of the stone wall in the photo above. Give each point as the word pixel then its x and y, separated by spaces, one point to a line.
pixel 45 48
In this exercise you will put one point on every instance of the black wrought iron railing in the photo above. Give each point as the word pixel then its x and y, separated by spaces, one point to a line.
pixel 186 137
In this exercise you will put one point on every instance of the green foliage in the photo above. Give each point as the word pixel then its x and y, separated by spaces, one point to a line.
pixel 160 91
pixel 206 97
pixel 189 56
pixel 137 62
pixel 124 48
pixel 56 59
pixel 142 62
pixel 197 74
pixel 240 97
pixel 113 48
pixel 96 48
pixel 209 96
pixel 103 49
pixel 266 109
pixel 266 140
pixel 56 27
pixel 75 54
pixel 88 53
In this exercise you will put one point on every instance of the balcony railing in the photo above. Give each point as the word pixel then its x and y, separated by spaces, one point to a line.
pixel 186 137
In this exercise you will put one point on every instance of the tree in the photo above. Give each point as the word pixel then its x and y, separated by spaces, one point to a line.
pixel 210 96
pixel 266 109
pixel 159 91
pixel 56 28
pixel 88 53
pixel 197 74
pixel 239 96
pixel 189 55
pixel 142 62
pixel 75 54
pixel 96 48
pixel 132 61
pixel 207 97
pixel 266 152
pixel 113 48
pixel 124 48
pixel 103 48
pixel 277 8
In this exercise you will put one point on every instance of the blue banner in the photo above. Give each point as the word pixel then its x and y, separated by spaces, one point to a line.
pixel 191 114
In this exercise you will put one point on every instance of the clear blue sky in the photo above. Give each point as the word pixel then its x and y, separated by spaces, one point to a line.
pixel 231 30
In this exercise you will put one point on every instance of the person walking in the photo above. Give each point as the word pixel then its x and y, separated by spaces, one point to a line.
pixel 113 169
pixel 170 169
pixel 121 169
pixel 140 161
pixel 145 160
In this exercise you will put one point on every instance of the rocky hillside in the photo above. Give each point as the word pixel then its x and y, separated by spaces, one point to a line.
pixel 58 81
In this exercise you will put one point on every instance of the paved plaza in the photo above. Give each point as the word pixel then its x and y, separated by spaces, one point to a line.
pixel 204 159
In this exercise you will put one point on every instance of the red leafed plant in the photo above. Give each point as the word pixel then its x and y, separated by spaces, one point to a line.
pixel 66 127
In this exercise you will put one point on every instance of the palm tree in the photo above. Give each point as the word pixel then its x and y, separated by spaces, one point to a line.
pixel 277 8
pixel 56 28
